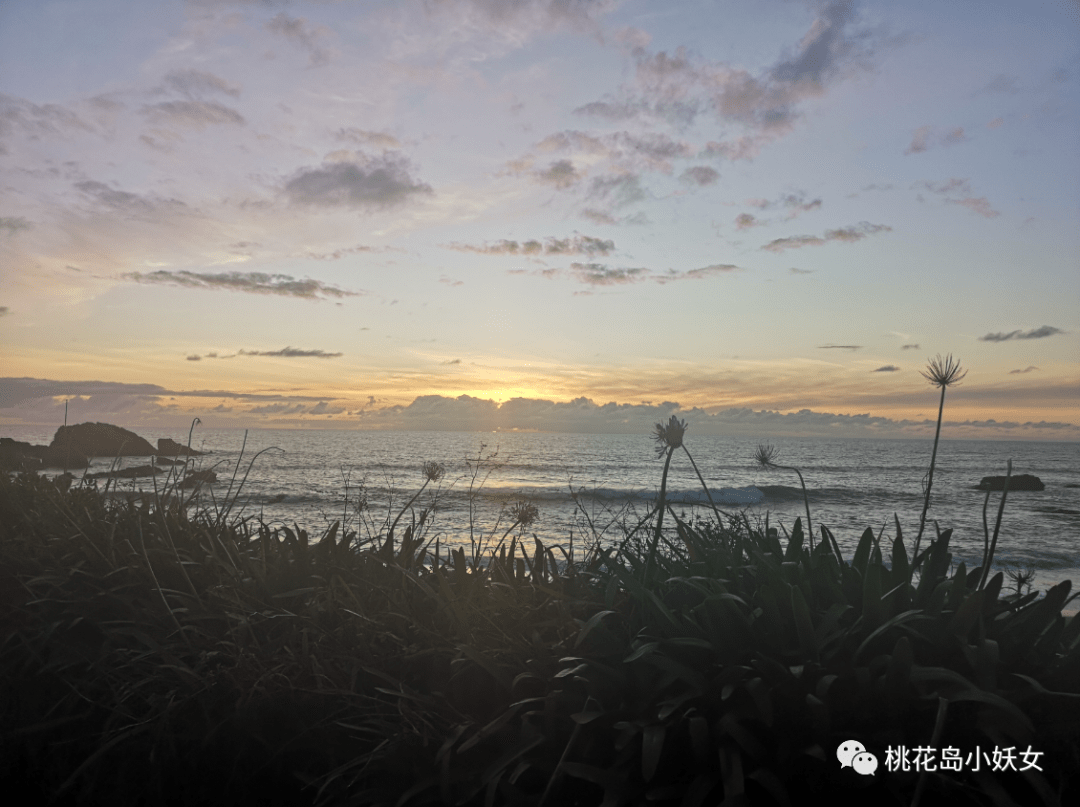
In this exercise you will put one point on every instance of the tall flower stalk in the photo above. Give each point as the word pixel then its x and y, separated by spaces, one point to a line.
pixel 667 438
pixel 941 373
pixel 765 456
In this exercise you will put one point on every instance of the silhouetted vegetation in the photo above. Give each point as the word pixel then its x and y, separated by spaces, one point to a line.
pixel 156 653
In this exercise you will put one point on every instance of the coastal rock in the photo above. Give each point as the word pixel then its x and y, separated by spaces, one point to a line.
pixel 160 460
pixel 170 448
pixel 1019 482
pixel 16 455
pixel 198 478
pixel 126 473
pixel 101 440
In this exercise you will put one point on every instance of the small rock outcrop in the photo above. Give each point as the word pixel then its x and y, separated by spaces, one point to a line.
pixel 16 455
pixel 168 447
pixel 126 473
pixel 1019 482
pixel 101 440
pixel 198 478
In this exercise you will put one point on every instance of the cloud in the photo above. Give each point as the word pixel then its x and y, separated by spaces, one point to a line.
pixel 379 182
pixel 193 114
pixel 12 224
pixel 980 205
pixel 194 83
pixel 700 175
pixel 598 274
pixel 793 203
pixel 560 173
pixel 250 282
pixel 848 234
pixel 678 88
pixel 366 138
pixel 696 274
pixel 1037 333
pixel 452 361
pixel 1025 370
pixel 840 347
pixel 583 415
pixel 37 120
pixel 795 271
pixel 323 408
pixel 277 409
pixel 292 353
pixel 744 221
pixel 194 357
pixel 337 254
pixel 125 202
pixel 958 191
pixel 598 216
pixel 909 347
pixel 296 31
pixel 618 190
pixel 926 137
pixel 575 245
pixel 888 368
pixel 947 187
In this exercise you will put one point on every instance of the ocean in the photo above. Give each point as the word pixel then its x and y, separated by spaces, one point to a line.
pixel 311 478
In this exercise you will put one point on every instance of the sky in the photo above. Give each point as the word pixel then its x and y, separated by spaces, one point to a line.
pixel 764 217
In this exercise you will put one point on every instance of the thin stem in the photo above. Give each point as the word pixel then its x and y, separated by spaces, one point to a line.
pixel 930 479
pixel 706 487
pixel 997 526
pixel 660 514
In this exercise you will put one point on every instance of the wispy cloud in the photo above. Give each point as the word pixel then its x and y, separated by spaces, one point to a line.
pixel 12 224
pixel 195 115
pixel 909 347
pixel 1025 370
pixel 126 202
pixel 927 137
pixel 840 347
pixel 250 282
pixel 958 191
pixel 849 234
pixel 560 173
pixel 297 31
pixel 575 245
pixel 888 368
pixel 292 353
pixel 196 83
pixel 599 274
pixel 700 175
pixel 367 138
pixel 1036 333
pixel 678 88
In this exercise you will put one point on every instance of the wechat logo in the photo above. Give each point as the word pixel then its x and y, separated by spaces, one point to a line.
pixel 853 754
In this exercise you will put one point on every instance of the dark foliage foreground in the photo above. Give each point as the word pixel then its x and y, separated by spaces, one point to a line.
pixel 149 656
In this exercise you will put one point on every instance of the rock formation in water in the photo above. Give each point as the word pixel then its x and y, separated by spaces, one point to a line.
pixel 126 473
pixel 1019 482
pixel 101 440
pixel 16 455
pixel 168 447
pixel 198 478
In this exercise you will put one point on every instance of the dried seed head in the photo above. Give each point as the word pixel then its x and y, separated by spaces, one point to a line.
pixel 943 372
pixel 765 455
pixel 669 436
pixel 434 471
pixel 524 513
